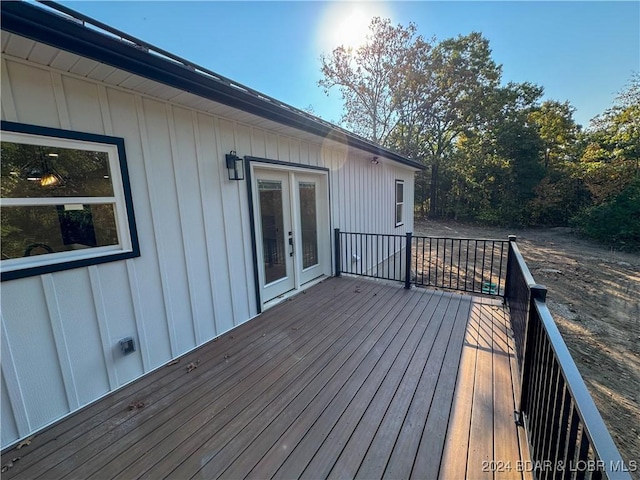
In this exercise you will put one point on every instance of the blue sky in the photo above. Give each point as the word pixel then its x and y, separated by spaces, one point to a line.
pixel 583 52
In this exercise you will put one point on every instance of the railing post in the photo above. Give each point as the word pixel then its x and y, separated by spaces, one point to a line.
pixel 407 273
pixel 338 252
pixel 537 292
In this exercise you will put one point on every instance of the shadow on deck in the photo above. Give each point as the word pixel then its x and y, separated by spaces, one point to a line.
pixel 351 378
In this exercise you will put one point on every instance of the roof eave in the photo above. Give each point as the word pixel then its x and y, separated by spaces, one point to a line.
pixel 57 31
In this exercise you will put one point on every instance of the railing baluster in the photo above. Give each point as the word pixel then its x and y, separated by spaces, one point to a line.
pixel 366 251
pixel 544 402
pixel 459 261
pixel 570 453
pixel 583 456
pixel 553 405
pixel 444 260
pixel 466 267
pixel 493 246
pixel 451 266
pixel 430 250
pixel 533 384
pixel 436 262
pixel 378 246
pixel 563 429
pixel 387 262
pixel 472 273
pixel 443 268
pixel 482 274
pixel 501 287
pixel 395 254
pixel 422 261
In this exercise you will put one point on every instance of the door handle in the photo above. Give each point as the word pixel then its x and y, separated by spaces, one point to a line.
pixel 291 245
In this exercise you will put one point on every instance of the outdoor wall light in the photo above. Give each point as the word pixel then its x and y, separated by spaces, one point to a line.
pixel 375 161
pixel 234 166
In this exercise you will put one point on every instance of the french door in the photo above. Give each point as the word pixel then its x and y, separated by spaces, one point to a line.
pixel 291 215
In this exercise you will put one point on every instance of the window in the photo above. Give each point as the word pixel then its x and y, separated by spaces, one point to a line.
pixel 66 201
pixel 399 203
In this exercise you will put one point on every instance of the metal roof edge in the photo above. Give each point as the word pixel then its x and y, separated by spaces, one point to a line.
pixel 67 31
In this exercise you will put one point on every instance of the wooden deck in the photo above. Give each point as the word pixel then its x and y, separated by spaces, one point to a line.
pixel 349 379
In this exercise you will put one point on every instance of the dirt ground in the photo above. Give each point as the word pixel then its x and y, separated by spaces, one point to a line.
pixel 594 296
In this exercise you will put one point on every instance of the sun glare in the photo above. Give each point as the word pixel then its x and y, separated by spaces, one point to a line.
pixel 347 23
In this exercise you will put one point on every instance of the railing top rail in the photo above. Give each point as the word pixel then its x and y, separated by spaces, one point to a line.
pixel 601 441
pixel 399 235
pixel 464 239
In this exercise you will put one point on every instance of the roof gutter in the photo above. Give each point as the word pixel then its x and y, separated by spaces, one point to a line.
pixel 41 25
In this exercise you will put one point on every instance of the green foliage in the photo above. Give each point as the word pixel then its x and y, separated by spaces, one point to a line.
pixel 442 98
pixel 615 222
pixel 495 153
pixel 610 169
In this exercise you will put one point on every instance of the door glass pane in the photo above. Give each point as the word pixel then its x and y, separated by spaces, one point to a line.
pixel 272 230
pixel 309 224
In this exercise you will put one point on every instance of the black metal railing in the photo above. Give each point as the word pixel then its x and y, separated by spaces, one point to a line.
pixel 567 436
pixel 468 265
pixel 371 255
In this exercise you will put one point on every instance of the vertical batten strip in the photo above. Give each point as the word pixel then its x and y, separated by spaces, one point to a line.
pixel 8 104
pixel 243 206
pixel 186 245
pixel 60 340
pixel 14 391
pixel 61 102
pixel 101 311
pixel 139 315
pixel 155 220
pixel 103 325
pixel 225 216
pixel 105 112
pixel 130 263
pixel 206 215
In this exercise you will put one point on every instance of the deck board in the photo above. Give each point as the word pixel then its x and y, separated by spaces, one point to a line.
pixel 98 419
pixel 387 432
pixel 352 379
pixel 481 434
pixel 321 369
pixel 482 440
pixel 429 454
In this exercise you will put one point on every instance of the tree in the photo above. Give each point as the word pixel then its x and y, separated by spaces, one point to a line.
pixel 561 193
pixel 557 129
pixel 443 96
pixel 611 159
pixel 610 169
pixel 411 94
pixel 366 78
pixel 495 166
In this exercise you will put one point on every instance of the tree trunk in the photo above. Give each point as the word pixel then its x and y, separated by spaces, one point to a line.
pixel 433 198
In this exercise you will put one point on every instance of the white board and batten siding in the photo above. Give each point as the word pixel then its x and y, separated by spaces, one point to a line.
pixel 194 279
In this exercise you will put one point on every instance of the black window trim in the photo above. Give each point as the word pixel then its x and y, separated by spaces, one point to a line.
pixel 118 142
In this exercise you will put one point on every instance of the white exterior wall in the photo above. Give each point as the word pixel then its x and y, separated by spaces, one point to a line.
pixel 194 279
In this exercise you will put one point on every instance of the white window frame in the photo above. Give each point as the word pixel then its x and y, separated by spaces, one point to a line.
pixel 398 204
pixel 127 246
